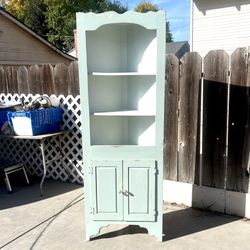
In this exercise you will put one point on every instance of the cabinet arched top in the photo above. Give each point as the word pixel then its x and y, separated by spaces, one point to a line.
pixel 93 21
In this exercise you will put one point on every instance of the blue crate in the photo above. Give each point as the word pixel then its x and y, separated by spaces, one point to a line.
pixel 3 116
pixel 35 122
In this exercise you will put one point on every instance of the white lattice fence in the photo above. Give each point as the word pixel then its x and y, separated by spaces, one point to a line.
pixel 27 152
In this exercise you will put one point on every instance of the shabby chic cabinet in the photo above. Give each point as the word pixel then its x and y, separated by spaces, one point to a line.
pixel 121 70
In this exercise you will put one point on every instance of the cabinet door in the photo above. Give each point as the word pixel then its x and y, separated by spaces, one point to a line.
pixel 139 190
pixel 106 182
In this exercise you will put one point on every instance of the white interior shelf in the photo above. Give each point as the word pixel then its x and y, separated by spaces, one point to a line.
pixel 122 74
pixel 128 48
pixel 124 113
pixel 122 130
pixel 122 70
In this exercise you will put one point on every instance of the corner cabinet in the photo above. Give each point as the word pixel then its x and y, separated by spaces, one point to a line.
pixel 122 72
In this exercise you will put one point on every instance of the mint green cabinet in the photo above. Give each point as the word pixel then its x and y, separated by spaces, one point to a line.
pixel 122 76
pixel 106 180
pixel 139 183
pixel 124 190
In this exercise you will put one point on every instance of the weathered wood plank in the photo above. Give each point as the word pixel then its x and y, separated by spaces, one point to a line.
pixel 239 68
pixel 216 65
pixel 35 86
pixel 3 88
pixel 73 79
pixel 11 80
pixel 47 79
pixel 62 86
pixel 213 69
pixel 22 80
pixel 171 117
pixel 239 114
pixel 190 79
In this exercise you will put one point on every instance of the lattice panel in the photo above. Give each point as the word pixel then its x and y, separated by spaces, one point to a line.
pixel 29 154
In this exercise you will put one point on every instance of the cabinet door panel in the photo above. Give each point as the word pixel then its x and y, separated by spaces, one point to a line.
pixel 106 182
pixel 139 190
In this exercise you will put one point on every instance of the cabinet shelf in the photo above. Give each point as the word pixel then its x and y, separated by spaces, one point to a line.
pixel 121 74
pixel 122 130
pixel 123 113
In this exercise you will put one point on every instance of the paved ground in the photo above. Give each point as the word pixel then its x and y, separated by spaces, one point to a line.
pixel 56 221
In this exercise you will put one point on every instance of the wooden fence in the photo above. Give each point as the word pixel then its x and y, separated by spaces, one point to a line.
pixel 44 79
pixel 206 114
pixel 207 129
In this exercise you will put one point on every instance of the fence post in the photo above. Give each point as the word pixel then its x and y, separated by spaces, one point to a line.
pixel 61 79
pixel 216 66
pixel 238 179
pixel 73 79
pixel 22 80
pixel 47 79
pixel 11 79
pixel 35 85
pixel 171 117
pixel 3 87
pixel 189 90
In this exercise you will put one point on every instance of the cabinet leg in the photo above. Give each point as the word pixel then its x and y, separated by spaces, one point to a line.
pixel 94 230
pixel 156 232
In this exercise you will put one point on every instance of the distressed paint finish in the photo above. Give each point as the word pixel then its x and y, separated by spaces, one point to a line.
pixel 136 159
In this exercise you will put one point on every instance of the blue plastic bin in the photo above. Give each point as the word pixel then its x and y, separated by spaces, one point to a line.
pixel 3 116
pixel 35 122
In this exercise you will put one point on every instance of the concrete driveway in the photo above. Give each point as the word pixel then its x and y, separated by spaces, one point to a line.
pixel 56 221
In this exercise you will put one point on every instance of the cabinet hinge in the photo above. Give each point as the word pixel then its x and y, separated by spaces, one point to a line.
pixel 156 170
pixel 92 210
pixel 155 212
pixel 90 170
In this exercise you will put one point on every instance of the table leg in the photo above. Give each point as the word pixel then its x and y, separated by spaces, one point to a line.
pixel 44 166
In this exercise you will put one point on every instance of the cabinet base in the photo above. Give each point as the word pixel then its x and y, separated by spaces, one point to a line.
pixel 93 231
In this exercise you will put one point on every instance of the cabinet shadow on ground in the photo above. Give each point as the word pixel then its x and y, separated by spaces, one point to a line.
pixel 178 223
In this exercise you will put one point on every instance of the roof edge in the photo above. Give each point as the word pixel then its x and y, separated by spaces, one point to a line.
pixel 33 33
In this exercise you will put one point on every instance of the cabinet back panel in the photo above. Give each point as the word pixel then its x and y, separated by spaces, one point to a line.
pixel 121 48
pixel 122 130
pixel 107 93
pixel 122 93
pixel 108 130
pixel 106 49
pixel 142 49
pixel 142 93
